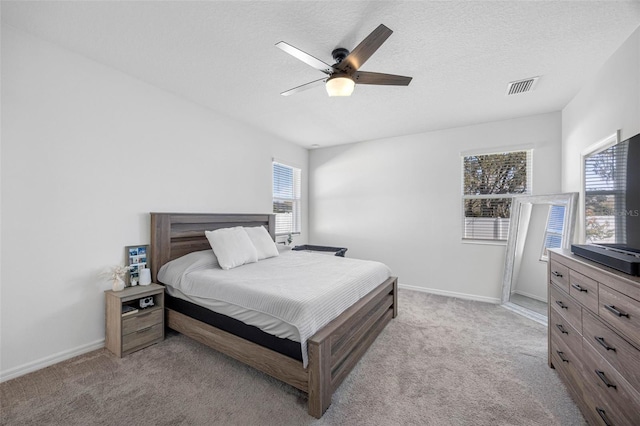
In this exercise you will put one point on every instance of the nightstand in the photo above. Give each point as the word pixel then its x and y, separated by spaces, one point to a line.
pixel 139 327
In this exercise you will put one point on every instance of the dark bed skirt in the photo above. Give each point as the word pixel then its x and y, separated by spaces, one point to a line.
pixel 231 325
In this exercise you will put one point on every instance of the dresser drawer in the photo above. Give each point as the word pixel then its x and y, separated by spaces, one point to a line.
pixel 567 307
pixel 141 338
pixel 611 390
pixel 559 275
pixel 141 320
pixel 584 290
pixel 621 311
pixel 597 410
pixel 617 351
pixel 567 362
pixel 565 332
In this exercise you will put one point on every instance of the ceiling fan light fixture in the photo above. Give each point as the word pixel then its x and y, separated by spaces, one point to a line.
pixel 341 77
pixel 340 86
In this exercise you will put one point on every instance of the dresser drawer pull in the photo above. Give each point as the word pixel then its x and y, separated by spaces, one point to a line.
pixel 561 328
pixel 144 315
pixel 577 287
pixel 603 416
pixel 561 355
pixel 605 380
pixel 613 310
pixel 604 344
pixel 556 274
pixel 144 329
pixel 562 305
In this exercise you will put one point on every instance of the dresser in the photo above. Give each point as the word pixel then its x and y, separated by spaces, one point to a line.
pixel 594 337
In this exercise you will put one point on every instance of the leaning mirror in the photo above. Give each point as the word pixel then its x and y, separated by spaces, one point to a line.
pixel 538 223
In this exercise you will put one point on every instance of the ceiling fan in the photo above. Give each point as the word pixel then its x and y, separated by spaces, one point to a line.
pixel 344 74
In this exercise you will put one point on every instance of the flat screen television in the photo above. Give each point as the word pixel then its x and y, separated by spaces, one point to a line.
pixel 612 207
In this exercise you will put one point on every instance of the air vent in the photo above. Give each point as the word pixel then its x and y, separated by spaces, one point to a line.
pixel 522 86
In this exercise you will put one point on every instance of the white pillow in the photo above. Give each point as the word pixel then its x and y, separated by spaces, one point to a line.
pixel 262 241
pixel 232 247
pixel 174 271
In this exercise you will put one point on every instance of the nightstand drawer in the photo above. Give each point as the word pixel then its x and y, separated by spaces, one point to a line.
pixel 141 320
pixel 141 337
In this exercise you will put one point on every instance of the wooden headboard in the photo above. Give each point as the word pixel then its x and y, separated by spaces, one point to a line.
pixel 176 234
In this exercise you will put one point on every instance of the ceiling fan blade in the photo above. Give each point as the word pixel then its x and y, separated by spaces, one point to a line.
pixel 364 77
pixel 364 50
pixel 304 87
pixel 305 57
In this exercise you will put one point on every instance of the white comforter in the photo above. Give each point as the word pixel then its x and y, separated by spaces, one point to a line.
pixel 305 290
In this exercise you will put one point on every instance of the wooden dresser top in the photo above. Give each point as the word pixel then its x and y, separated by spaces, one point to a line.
pixel 630 284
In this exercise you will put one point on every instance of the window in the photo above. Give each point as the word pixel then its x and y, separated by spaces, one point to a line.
pixel 286 198
pixel 605 194
pixel 553 230
pixel 489 183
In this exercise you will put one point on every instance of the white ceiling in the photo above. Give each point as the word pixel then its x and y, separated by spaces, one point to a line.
pixel 461 55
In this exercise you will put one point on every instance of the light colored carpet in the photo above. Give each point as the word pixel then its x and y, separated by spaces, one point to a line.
pixel 442 361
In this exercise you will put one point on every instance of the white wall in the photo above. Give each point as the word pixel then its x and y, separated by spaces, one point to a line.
pixel 399 201
pixel 609 102
pixel 87 153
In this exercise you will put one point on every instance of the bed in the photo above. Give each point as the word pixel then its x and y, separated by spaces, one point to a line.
pixel 332 351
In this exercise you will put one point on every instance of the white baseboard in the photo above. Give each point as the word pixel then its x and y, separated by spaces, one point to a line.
pixel 451 294
pixel 49 360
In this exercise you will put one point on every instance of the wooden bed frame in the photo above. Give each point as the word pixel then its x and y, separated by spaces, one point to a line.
pixel 333 351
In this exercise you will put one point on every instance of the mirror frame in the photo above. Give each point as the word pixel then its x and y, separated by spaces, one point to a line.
pixel 569 200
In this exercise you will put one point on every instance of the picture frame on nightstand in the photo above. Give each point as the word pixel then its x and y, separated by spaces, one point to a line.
pixel 137 258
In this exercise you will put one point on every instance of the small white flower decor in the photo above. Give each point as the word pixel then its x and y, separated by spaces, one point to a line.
pixel 117 273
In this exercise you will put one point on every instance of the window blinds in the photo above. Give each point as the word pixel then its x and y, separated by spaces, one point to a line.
pixel 605 192
pixel 286 198
pixel 489 183
pixel 553 230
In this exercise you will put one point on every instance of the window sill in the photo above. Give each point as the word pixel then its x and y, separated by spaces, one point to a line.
pixel 484 242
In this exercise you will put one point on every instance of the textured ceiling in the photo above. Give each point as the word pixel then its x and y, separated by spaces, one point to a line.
pixel 461 55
